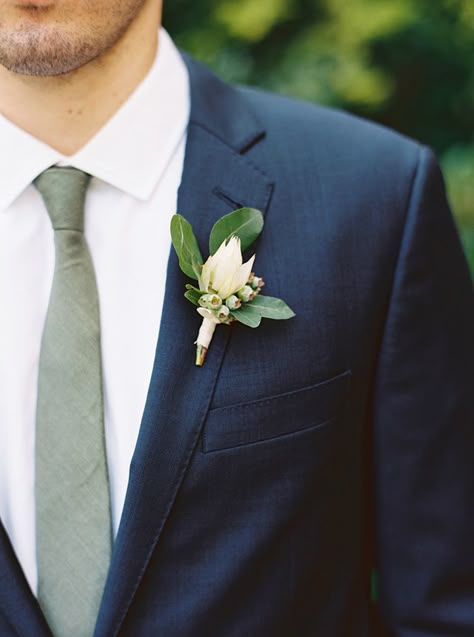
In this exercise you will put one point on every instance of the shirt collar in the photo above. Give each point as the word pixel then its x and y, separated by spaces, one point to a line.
pixel 132 150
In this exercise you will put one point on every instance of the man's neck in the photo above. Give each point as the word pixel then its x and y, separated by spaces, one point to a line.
pixel 66 111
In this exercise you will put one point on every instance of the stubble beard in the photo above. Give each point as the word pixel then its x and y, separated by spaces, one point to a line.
pixel 42 49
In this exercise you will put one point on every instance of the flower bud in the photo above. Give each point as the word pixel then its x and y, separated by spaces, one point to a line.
pixel 256 282
pixel 222 313
pixel 246 294
pixel 210 301
pixel 233 302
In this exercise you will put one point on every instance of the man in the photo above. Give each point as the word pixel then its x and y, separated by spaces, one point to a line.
pixel 252 496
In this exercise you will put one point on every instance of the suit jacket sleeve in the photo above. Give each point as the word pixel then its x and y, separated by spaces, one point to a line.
pixel 423 427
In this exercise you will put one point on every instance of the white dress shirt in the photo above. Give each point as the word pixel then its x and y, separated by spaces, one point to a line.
pixel 136 161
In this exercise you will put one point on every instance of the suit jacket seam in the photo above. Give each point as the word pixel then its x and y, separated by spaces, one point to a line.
pixel 405 230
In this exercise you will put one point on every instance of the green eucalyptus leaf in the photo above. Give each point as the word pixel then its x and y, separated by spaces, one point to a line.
pixel 185 244
pixel 193 295
pixel 270 307
pixel 196 264
pixel 245 223
pixel 251 319
pixel 188 286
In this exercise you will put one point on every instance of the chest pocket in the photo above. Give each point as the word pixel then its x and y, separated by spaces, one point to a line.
pixel 274 416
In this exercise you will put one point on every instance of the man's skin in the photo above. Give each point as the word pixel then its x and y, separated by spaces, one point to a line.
pixel 66 66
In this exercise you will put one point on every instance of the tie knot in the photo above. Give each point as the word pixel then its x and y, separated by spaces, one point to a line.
pixel 64 192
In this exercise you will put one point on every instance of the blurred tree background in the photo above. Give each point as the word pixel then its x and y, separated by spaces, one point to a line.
pixel 408 64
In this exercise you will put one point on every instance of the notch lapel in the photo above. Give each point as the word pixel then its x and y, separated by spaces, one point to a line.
pixel 216 178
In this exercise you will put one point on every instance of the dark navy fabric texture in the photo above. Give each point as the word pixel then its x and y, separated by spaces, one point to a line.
pixel 266 485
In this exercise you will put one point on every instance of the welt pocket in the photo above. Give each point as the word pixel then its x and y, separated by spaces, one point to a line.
pixel 274 416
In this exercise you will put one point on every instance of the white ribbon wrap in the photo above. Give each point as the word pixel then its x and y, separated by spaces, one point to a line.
pixel 206 332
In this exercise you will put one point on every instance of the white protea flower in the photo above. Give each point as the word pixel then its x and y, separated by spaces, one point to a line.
pixel 224 273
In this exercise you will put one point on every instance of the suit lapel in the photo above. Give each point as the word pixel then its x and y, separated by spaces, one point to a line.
pixel 216 178
pixel 17 603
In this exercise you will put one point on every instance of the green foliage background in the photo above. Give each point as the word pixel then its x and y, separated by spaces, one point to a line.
pixel 408 64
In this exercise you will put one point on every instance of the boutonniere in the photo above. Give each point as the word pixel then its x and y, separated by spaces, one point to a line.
pixel 227 289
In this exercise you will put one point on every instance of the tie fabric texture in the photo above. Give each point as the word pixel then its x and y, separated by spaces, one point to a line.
pixel 73 520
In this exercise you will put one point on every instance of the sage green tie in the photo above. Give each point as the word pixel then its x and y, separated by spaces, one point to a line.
pixel 73 524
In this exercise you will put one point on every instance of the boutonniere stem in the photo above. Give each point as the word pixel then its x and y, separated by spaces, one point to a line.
pixel 227 290
pixel 204 338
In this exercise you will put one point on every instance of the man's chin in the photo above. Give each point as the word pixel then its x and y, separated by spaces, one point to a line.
pixel 39 68
pixel 35 68
pixel 41 55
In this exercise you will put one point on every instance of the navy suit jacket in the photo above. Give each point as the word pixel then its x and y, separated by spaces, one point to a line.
pixel 266 485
